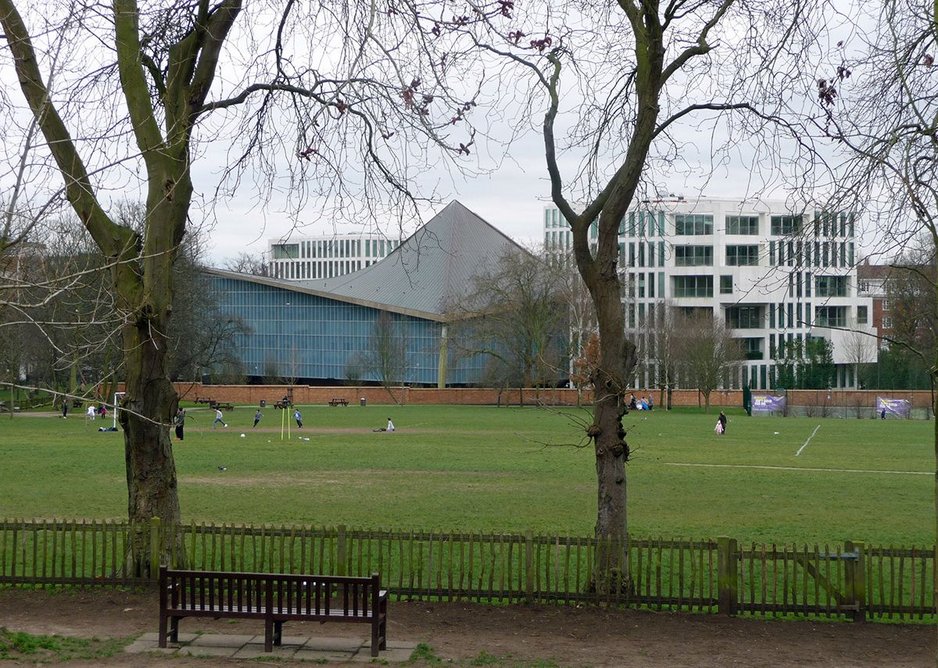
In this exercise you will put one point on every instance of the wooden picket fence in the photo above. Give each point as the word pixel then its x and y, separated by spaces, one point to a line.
pixel 848 580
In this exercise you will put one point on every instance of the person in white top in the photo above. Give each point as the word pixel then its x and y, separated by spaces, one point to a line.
pixel 390 426
pixel 218 418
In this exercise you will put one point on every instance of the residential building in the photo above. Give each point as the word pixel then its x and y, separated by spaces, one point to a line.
pixel 326 256
pixel 772 274
pixel 872 282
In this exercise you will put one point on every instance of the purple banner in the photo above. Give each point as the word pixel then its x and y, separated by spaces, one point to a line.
pixel 901 408
pixel 767 403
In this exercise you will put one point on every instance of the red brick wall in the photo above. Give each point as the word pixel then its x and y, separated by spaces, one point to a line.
pixel 306 395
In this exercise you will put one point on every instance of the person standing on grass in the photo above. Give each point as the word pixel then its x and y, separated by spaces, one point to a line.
pixel 179 422
pixel 257 417
pixel 298 417
pixel 91 412
pixel 390 426
pixel 218 418
pixel 722 421
pixel 65 407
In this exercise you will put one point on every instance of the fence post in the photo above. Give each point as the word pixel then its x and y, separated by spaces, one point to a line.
pixel 529 566
pixel 341 548
pixel 855 580
pixel 727 574
pixel 155 542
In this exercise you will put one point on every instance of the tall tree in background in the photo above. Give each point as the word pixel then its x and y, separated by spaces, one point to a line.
pixel 150 70
pixel 517 314
pixel 387 355
pixel 629 73
pixel 704 351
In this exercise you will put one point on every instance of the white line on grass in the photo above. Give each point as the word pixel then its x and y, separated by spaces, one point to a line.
pixel 796 468
pixel 805 444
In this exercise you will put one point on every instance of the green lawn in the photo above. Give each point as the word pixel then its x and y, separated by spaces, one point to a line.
pixel 508 469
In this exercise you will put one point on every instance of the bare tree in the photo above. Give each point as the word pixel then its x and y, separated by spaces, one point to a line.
pixel 630 74
pixel 387 355
pixel 860 350
pixel 878 105
pixel 515 313
pixel 704 351
pixel 247 263
pixel 376 94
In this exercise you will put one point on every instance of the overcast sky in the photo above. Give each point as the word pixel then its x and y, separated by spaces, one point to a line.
pixel 512 199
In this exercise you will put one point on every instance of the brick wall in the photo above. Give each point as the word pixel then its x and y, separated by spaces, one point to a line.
pixel 307 395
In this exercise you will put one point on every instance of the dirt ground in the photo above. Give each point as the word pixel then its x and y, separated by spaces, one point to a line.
pixel 469 634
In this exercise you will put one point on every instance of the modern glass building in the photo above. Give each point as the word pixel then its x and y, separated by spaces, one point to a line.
pixel 388 319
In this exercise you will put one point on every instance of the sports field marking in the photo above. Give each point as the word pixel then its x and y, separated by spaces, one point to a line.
pixel 797 468
pixel 805 444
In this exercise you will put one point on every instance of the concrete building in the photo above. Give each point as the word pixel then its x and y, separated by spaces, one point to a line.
pixel 323 331
pixel 326 256
pixel 773 275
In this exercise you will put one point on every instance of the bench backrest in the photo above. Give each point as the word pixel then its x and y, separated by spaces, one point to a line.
pixel 256 592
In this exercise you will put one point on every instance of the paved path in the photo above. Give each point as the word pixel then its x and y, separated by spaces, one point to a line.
pixel 318 649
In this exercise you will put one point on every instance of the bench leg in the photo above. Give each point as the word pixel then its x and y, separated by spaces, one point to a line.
pixel 383 631
pixel 163 620
pixel 278 633
pixel 174 629
pixel 268 635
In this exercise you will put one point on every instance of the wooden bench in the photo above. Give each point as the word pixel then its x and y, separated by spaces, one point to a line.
pixel 338 401
pixel 217 405
pixel 274 597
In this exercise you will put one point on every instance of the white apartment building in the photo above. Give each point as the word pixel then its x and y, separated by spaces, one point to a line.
pixel 771 274
pixel 327 256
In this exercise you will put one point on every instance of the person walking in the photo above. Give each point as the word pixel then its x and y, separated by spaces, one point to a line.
pixel 298 417
pixel 257 417
pixel 722 422
pixel 179 422
pixel 218 418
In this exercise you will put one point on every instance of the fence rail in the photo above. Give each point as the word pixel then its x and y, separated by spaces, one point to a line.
pixel 844 580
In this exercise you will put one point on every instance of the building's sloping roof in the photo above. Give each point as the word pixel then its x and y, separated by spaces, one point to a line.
pixel 422 275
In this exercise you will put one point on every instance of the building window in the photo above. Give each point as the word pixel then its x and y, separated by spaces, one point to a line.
pixel 786 225
pixel 693 286
pixel 726 285
pixel 742 225
pixel 693 256
pixel 830 316
pixel 742 256
pixel 285 251
pixel 885 304
pixel 686 224
pixel 744 317
pixel 862 316
pixel 830 286
pixel 753 348
pixel 887 322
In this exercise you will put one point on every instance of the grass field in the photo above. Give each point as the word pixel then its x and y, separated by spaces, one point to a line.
pixel 508 469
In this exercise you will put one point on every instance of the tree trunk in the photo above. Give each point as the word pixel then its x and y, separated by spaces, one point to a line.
pixel 617 359
pixel 146 411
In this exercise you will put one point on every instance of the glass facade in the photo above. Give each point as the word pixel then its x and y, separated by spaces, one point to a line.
pixel 312 338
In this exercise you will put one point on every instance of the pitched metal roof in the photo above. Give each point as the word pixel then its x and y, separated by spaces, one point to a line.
pixel 422 275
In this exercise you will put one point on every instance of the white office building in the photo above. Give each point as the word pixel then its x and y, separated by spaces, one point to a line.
pixel 772 275
pixel 328 256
